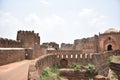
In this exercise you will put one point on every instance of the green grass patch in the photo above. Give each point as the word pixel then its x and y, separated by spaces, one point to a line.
pixel 50 74
pixel 76 67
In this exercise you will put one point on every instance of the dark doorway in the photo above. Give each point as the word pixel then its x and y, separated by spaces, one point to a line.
pixel 63 63
pixel 109 47
pixel 28 56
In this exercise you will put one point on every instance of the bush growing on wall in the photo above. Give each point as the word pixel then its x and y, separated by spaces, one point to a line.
pixel 90 67
pixel 50 74
pixel 76 67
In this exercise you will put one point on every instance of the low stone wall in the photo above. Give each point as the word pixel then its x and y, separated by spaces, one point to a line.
pixel 9 55
pixel 72 74
pixel 36 66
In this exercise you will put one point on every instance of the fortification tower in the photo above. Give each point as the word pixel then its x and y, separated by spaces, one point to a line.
pixel 28 38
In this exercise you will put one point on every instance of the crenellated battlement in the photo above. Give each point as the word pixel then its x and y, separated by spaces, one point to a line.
pixel 28 38
pixel 4 42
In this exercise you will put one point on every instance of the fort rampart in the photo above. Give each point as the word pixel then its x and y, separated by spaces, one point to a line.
pixel 9 55
pixel 26 46
pixel 9 43
pixel 100 60
pixel 36 67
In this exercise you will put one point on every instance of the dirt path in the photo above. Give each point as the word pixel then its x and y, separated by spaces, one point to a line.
pixel 15 71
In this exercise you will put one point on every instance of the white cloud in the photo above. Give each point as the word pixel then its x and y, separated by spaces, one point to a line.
pixel 45 2
pixel 48 21
pixel 86 12
pixel 76 22
pixel 88 22
pixel 46 26
pixel 54 27
pixel 6 18
pixel 8 25
pixel 53 20
pixel 91 17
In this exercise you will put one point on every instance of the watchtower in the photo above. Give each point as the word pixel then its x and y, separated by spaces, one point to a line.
pixel 28 38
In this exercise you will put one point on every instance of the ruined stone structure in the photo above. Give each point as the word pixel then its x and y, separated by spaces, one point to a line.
pixel 50 45
pixel 68 57
pixel 65 46
pixel 5 43
pixel 28 39
pixel 109 40
pixel 27 46
pixel 95 50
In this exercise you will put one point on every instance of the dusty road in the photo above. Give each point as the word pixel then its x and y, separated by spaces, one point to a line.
pixel 15 71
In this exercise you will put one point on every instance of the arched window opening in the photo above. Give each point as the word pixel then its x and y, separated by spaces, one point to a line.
pixel 109 47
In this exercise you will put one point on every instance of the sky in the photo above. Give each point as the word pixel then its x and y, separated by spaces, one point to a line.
pixel 60 21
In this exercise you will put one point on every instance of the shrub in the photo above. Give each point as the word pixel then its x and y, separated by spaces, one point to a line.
pixel 50 74
pixel 55 69
pixel 90 67
pixel 76 67
pixel 114 76
pixel 110 58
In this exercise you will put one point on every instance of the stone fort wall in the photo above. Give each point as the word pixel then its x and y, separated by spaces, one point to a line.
pixel 36 67
pixel 11 55
pixel 98 43
pixel 87 45
pixel 77 56
pixel 100 60
pixel 5 43
pixel 26 46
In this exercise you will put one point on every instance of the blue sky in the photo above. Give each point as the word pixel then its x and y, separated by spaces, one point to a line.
pixel 58 20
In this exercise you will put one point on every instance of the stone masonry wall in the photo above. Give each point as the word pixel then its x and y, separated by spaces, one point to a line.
pixel 28 38
pixel 37 51
pixel 65 46
pixel 54 57
pixel 36 67
pixel 100 60
pixel 9 43
pixel 72 56
pixel 11 55
pixel 109 38
pixel 88 45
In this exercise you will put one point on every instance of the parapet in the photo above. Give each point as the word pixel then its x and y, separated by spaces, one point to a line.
pixel 4 42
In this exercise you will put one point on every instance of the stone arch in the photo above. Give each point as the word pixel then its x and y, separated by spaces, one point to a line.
pixel 63 63
pixel 109 47
pixel 109 44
